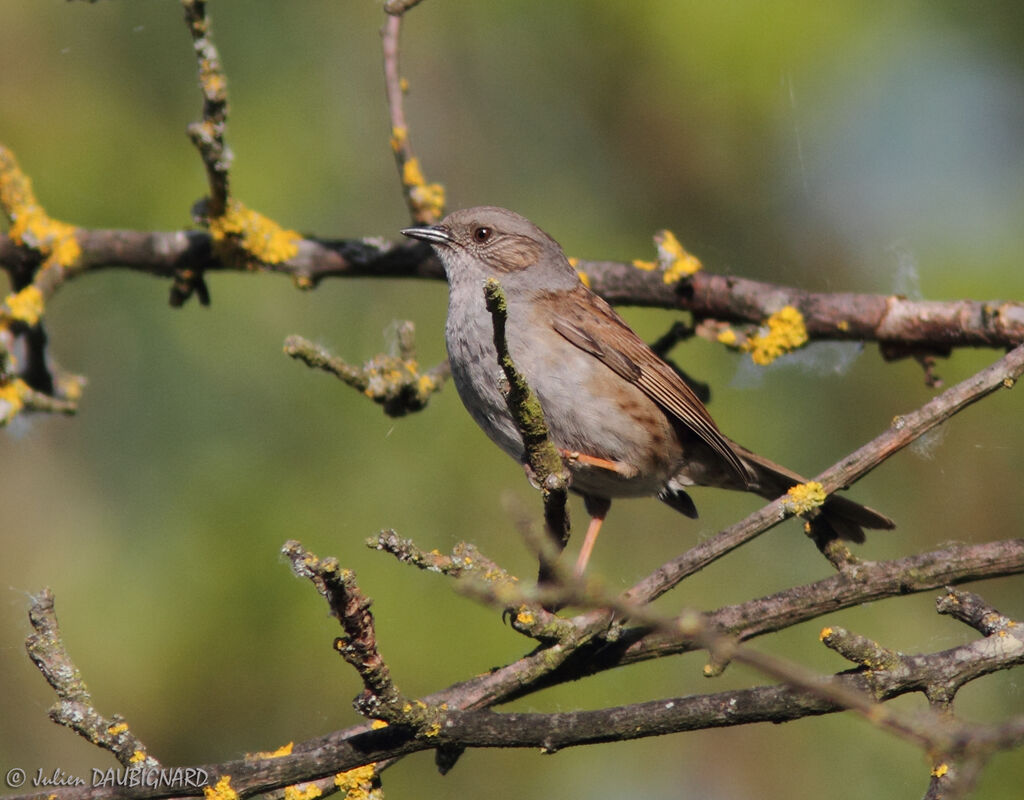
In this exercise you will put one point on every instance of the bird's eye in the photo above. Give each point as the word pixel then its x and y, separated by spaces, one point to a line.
pixel 482 234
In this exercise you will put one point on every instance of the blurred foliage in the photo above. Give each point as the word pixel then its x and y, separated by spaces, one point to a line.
pixel 835 146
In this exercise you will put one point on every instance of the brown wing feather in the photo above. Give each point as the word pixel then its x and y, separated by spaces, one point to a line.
pixel 580 318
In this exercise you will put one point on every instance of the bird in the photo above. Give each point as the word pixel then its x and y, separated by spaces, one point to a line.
pixel 625 422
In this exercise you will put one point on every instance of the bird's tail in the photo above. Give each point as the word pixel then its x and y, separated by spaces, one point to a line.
pixel 840 517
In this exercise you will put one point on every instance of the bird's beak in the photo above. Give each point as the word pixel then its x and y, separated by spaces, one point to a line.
pixel 431 234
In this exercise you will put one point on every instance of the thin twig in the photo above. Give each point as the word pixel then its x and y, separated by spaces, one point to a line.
pixel 425 200
pixel 208 133
pixel 393 381
pixel 74 708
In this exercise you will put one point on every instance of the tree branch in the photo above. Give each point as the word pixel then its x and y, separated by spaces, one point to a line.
pixel 467 727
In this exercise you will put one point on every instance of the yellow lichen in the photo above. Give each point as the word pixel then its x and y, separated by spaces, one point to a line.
pixel 425 384
pixel 212 79
pixel 412 175
pixel 12 400
pixel 222 790
pixel 357 784
pixel 116 730
pixel 940 770
pixel 25 306
pixel 584 277
pixel 783 331
pixel 283 750
pixel 33 228
pixel 825 633
pixel 804 496
pixel 727 336
pixel 676 262
pixel 429 197
pixel 138 756
pixel 377 724
pixel 399 136
pixel 432 730
pixel 30 224
pixel 15 186
pixel 258 235
pixel 525 617
pixel 647 266
pixel 302 791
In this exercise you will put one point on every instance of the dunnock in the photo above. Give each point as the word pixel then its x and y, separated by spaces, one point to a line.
pixel 625 422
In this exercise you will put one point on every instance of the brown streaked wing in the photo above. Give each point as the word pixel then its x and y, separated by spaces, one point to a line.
pixel 588 322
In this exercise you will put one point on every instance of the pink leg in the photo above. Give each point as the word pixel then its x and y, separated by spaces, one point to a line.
pixel 598 509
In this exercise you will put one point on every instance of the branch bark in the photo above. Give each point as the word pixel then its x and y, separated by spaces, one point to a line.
pixel 926 325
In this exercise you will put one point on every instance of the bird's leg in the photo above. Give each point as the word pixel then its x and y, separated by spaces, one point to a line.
pixel 618 467
pixel 597 507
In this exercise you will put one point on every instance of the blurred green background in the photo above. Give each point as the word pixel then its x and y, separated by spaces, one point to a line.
pixel 835 146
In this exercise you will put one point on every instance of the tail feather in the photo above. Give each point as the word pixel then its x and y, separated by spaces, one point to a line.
pixel 840 518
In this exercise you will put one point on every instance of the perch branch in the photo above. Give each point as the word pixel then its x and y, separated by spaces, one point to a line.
pixel 888 319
